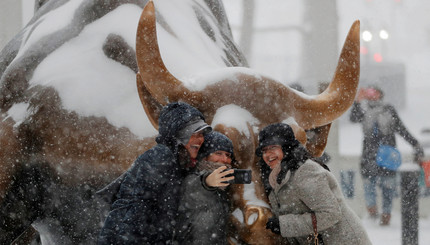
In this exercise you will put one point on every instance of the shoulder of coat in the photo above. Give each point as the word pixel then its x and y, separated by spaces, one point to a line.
pixel 310 166
pixel 191 177
pixel 389 107
pixel 158 153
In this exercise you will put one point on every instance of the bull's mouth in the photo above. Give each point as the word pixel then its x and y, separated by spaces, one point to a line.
pixel 252 229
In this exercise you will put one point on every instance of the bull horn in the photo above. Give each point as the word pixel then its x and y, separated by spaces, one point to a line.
pixel 340 94
pixel 152 107
pixel 243 86
pixel 160 83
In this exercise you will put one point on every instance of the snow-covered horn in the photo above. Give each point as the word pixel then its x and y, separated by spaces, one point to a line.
pixel 160 83
pixel 251 91
pixel 340 94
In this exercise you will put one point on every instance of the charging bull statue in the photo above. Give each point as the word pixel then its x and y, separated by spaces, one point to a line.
pixel 71 119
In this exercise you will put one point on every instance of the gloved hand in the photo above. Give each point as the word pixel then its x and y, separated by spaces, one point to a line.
pixel 418 154
pixel 273 225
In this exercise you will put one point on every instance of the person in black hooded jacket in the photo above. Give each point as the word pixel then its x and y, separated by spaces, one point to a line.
pixel 145 198
pixel 204 206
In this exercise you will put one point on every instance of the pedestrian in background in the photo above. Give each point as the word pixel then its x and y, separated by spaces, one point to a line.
pixel 380 123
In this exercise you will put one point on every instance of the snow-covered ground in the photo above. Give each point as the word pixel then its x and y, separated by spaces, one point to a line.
pixel 392 235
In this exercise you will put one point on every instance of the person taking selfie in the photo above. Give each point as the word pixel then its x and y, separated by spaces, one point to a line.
pixel 204 206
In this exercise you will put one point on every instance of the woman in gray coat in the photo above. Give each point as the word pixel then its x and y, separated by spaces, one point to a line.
pixel 204 205
pixel 298 187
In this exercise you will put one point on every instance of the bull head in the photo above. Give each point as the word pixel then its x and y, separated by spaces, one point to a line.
pixel 251 92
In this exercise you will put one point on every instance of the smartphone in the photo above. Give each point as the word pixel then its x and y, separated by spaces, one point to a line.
pixel 241 176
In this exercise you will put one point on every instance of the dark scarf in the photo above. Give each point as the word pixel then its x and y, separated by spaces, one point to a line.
pixel 185 161
pixel 292 160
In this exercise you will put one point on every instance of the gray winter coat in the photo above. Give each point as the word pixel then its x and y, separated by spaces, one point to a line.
pixel 312 188
pixel 388 124
pixel 203 211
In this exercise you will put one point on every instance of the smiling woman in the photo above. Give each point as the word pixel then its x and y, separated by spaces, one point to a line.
pixel 145 205
pixel 304 195
pixel 191 136
pixel 194 144
pixel 273 155
pixel 204 206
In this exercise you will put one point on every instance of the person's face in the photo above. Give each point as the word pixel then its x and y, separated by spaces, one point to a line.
pixel 373 94
pixel 272 155
pixel 194 144
pixel 220 157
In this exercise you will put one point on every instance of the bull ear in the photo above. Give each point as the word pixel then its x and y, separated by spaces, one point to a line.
pixel 151 106
pixel 299 133
pixel 317 140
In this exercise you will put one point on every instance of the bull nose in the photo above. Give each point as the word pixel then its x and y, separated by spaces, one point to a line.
pixel 256 215
pixel 255 232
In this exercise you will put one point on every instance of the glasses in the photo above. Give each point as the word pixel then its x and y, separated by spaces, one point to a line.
pixel 271 148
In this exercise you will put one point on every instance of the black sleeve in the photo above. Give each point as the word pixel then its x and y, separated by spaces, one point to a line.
pixel 402 131
pixel 203 177
pixel 147 200
pixel 357 113
pixel 400 128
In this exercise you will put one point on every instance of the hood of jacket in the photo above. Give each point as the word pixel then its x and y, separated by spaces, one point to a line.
pixel 173 118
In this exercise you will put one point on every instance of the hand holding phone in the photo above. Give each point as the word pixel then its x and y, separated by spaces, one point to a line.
pixel 241 176
pixel 219 178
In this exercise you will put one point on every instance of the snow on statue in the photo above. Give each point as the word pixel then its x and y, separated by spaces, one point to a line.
pixel 72 121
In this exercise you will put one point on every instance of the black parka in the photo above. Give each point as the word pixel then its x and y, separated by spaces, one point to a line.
pixel 146 197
